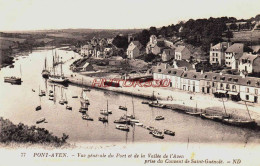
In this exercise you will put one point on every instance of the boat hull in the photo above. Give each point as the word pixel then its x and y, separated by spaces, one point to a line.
pixel 240 123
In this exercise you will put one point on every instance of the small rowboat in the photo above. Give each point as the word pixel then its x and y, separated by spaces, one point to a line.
pixel 86 117
pixel 159 118
pixel 103 119
pixel 122 108
pixel 157 134
pixel 68 107
pixel 38 108
pixel 122 127
pixel 169 132
pixel 40 120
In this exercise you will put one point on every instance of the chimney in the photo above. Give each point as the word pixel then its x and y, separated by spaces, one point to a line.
pixel 220 73
pixel 201 72
pixel 211 45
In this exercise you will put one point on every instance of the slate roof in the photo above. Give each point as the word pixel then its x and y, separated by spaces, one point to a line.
pixel 236 48
pixel 179 48
pixel 183 63
pixel 248 56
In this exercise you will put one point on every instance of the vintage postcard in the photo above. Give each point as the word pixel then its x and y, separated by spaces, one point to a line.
pixel 130 82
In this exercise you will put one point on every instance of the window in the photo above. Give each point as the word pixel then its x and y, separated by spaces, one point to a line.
pixel 247 97
pixel 234 87
pixel 213 84
pixel 227 86
pixel 248 82
pixel 208 83
pixel 221 85
pixel 256 91
pixel 247 90
pixel 229 79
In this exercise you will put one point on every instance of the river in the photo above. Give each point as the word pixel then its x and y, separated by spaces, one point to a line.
pixel 18 103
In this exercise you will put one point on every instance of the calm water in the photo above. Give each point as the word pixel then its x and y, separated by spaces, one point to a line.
pixel 18 102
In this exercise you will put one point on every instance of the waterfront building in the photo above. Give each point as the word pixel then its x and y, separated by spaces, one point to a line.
pixel 226 85
pixel 217 53
pixel 206 82
pixel 190 81
pixel 234 87
pixel 182 53
pixel 249 89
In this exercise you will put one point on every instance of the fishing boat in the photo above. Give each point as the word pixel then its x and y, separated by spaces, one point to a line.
pixel 55 77
pixel 83 110
pixel 132 117
pixel 14 79
pixel 249 123
pixel 134 120
pixel 42 93
pixel 50 91
pixel 122 108
pixel 240 122
pixel 159 118
pixel 139 124
pixel 40 120
pixel 86 117
pixel 68 107
pixel 150 128
pixel 74 96
pixel 84 101
pixel 158 134
pixel 158 105
pixel 215 117
pixel 51 97
pixel 45 71
pixel 33 90
pixel 122 127
pixel 103 119
pixel 105 112
pixel 86 89
pixel 122 120
pixel 169 132
pixel 145 102
pixel 194 113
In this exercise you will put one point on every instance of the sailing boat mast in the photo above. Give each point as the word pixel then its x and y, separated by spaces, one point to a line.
pixel 224 106
pixel 133 107
pixel 61 67
pixel 20 70
pixel 248 111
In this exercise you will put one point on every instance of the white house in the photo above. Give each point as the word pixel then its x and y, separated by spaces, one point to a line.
pixel 246 63
pixel 134 49
pixel 182 53
pixel 233 54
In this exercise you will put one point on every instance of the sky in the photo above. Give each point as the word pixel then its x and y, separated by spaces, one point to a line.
pixel 115 14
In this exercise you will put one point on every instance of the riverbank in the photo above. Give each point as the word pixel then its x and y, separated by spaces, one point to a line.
pixel 18 135
pixel 174 98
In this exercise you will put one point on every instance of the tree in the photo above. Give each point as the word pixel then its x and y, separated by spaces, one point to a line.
pixel 229 35
pixel 120 42
pixel 233 26
pixel 143 37
pixel 153 31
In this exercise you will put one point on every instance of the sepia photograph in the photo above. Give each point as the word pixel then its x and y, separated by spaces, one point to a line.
pixel 132 82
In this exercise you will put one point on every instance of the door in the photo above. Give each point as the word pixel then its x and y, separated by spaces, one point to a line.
pixel 255 99
pixel 203 89
pixel 207 89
